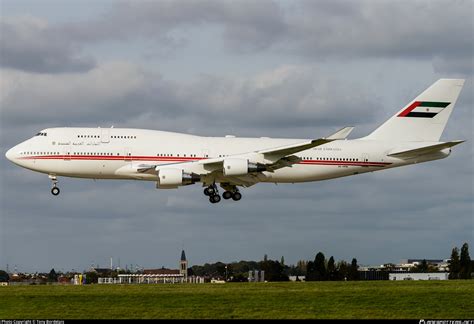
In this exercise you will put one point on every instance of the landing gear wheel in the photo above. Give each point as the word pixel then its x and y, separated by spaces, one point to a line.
pixel 206 192
pixel 227 195
pixel 237 196
pixel 55 191
pixel 215 199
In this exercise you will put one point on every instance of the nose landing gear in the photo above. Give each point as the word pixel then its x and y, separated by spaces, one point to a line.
pixel 54 190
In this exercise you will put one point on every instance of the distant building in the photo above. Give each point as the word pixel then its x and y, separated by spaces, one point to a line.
pixel 256 276
pixel 373 274
pixel 163 275
pixel 419 276
pixel 162 272
pixel 101 271
pixel 297 278
pixel 183 264
pixel 387 271
pixel 441 265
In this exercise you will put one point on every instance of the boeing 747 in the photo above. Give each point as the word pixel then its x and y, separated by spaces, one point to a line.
pixel 172 160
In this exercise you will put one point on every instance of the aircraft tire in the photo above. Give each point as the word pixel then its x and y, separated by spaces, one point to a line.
pixel 55 191
pixel 214 199
pixel 227 195
pixel 237 196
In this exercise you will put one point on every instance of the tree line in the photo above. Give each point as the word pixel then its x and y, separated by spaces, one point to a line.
pixel 319 269
pixel 313 270
pixel 460 266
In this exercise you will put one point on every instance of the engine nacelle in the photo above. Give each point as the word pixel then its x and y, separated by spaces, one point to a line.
pixel 172 178
pixel 236 167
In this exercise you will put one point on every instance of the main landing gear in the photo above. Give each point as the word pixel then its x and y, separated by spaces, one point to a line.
pixel 213 193
pixel 54 190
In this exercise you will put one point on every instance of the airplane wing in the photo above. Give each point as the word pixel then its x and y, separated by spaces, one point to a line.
pixel 279 157
pixel 269 159
pixel 295 148
pixel 423 150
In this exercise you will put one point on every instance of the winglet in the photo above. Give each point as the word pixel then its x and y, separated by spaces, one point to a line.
pixel 341 134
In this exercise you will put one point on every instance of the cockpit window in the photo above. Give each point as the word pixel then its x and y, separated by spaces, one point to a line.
pixel 41 134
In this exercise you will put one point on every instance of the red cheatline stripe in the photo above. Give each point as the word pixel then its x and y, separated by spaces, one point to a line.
pixel 188 159
pixel 409 109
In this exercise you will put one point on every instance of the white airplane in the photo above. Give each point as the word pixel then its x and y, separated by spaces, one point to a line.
pixel 174 159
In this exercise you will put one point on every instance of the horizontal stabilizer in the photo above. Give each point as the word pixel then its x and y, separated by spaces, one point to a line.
pixel 424 150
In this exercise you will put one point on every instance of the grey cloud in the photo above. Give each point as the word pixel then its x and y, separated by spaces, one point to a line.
pixel 315 30
pixel 459 66
pixel 273 102
pixel 30 44
pixel 254 25
pixel 407 29
pixel 312 29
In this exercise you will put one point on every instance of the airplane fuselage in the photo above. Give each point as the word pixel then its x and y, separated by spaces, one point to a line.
pixel 175 159
pixel 107 153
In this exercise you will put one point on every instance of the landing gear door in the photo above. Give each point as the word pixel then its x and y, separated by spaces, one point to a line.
pixel 105 135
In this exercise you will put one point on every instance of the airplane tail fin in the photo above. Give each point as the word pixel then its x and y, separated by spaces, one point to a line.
pixel 424 118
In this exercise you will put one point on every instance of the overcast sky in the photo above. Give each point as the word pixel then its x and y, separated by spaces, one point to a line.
pixel 293 69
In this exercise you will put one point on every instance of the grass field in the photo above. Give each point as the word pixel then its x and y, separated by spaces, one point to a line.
pixel 376 299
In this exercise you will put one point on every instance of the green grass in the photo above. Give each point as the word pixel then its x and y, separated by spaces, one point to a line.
pixel 368 299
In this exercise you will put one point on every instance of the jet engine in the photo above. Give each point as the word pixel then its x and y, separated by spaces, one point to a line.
pixel 172 178
pixel 236 167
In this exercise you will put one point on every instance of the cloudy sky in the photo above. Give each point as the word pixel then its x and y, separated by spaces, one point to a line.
pixel 294 69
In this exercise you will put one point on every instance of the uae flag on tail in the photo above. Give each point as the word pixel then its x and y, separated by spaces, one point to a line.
pixel 424 109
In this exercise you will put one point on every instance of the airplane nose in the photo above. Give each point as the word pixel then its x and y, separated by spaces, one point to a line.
pixel 9 155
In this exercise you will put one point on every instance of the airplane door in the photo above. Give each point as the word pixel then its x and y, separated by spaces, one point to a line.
pixel 105 135
pixel 66 153
pixel 365 157
pixel 205 153
pixel 127 154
